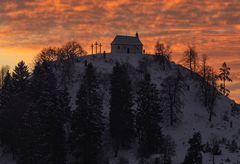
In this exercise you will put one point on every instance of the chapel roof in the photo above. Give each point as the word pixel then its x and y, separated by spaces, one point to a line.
pixel 126 40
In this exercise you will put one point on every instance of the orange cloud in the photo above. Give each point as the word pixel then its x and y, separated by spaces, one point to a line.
pixel 212 26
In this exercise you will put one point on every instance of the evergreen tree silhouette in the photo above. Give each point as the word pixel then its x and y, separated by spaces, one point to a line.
pixel 194 155
pixel 13 102
pixel 5 114
pixel 224 76
pixel 121 114
pixel 43 138
pixel 148 118
pixel 87 120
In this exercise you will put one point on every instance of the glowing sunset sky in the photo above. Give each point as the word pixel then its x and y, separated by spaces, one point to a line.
pixel 27 26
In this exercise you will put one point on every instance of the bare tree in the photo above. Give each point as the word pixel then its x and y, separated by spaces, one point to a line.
pixel 204 66
pixel 163 54
pixel 171 95
pixel 208 86
pixel 47 54
pixel 66 57
pixel 203 81
pixel 205 72
pixel 72 50
pixel 212 92
pixel 63 58
pixel 190 59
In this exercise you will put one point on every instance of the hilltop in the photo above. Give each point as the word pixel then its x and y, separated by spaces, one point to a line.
pixel 193 116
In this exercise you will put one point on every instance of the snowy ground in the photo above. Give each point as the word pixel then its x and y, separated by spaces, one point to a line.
pixel 193 119
pixel 194 116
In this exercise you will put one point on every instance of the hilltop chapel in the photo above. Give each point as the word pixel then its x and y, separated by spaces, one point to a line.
pixel 127 44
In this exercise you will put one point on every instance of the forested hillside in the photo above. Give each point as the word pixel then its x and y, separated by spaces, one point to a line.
pixel 115 109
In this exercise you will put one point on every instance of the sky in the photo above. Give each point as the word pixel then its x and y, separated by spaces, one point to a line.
pixel 213 27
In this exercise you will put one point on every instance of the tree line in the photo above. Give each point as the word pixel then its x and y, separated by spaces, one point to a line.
pixel 38 126
pixel 35 113
pixel 191 61
pixel 210 82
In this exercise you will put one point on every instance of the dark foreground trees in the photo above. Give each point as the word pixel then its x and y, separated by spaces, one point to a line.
pixel 13 105
pixel 194 155
pixel 35 117
pixel 42 134
pixel 6 129
pixel 148 118
pixel 87 123
pixel 121 113
pixel 63 58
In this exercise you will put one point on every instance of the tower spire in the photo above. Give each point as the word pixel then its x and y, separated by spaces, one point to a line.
pixel 137 34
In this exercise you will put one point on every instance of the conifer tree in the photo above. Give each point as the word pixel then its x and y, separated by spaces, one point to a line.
pixel 224 76
pixel 148 118
pixel 121 114
pixel 60 118
pixel 87 121
pixel 194 155
pixel 30 136
pixel 45 134
pixel 15 96
pixel 63 100
pixel 6 94
pixel 20 77
pixel 56 121
pixel 35 130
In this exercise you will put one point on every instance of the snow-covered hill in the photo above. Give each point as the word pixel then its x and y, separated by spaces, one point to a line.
pixel 194 115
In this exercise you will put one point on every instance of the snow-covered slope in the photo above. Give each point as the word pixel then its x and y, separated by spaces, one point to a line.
pixel 194 115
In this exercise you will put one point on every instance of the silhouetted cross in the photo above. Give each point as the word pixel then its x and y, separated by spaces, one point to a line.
pixel 100 45
pixel 92 47
pixel 96 44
